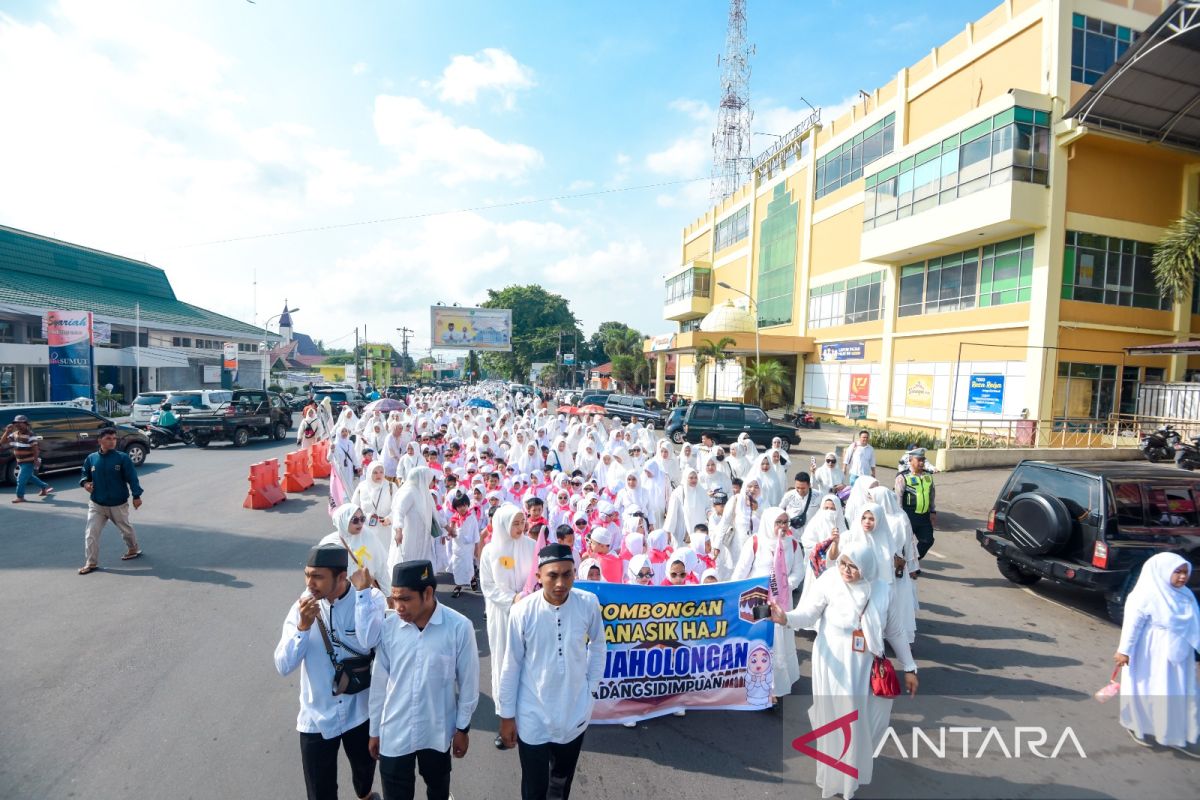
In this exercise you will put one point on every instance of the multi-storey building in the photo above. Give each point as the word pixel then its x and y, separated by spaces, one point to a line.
pixel 972 240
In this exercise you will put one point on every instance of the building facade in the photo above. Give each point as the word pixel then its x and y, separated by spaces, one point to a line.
pixel 148 338
pixel 970 241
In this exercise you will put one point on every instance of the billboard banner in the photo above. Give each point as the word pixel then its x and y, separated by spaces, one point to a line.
pixel 860 388
pixel 918 391
pixel 229 365
pixel 678 647
pixel 985 394
pixel 844 351
pixel 457 328
pixel 69 336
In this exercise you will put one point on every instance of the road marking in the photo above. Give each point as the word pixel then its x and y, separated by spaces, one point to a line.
pixel 1032 593
pixel 936 554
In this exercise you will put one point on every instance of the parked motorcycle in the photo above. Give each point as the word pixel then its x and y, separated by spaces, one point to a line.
pixel 1187 454
pixel 1160 445
pixel 802 418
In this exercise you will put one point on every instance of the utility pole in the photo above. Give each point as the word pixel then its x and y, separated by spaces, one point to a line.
pixel 356 355
pixel 404 333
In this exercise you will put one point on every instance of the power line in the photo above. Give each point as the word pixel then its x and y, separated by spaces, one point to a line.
pixel 427 214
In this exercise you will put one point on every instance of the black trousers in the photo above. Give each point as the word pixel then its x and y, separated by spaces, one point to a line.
pixel 399 782
pixel 548 769
pixel 318 756
pixel 923 530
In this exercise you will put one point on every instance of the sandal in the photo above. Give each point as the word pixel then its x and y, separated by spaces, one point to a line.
pixel 46 492
pixel 131 556
pixel 84 570
pixel 457 592
pixel 20 500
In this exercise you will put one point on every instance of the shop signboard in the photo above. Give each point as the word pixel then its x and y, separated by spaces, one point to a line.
pixel 844 351
pixel 69 336
pixel 985 394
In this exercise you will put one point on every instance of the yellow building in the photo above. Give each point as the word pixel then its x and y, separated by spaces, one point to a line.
pixel 972 240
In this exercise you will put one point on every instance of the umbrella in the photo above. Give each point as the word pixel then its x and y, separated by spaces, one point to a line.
pixel 567 410
pixel 479 402
pixel 383 405
pixel 592 408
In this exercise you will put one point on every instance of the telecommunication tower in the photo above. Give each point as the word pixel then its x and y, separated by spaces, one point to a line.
pixel 732 161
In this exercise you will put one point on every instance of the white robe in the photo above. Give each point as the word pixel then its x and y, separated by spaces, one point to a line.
pixel 503 568
pixel 412 513
pixel 462 550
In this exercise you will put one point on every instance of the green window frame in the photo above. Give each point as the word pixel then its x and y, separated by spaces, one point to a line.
pixel 1111 271
pixel 969 278
pixel 777 259
pixel 1095 46
pixel 846 302
pixel 845 163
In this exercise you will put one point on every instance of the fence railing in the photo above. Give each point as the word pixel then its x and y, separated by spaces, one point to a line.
pixel 1054 434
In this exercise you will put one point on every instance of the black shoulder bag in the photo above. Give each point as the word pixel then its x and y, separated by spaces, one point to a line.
pixel 350 675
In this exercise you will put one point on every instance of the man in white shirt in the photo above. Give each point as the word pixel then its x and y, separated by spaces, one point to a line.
pixel 860 457
pixel 798 502
pixel 327 721
pixel 424 683
pixel 553 664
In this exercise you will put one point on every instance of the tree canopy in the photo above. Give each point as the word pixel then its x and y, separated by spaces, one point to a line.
pixel 538 317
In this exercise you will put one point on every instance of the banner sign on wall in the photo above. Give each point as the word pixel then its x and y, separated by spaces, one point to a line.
pixel 918 391
pixel 471 328
pixel 679 647
pixel 844 351
pixel 860 388
pixel 69 336
pixel 985 394
pixel 101 332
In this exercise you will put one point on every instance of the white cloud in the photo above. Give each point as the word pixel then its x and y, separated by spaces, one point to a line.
pixel 422 137
pixel 491 69
pixel 359 68
pixel 686 157
pixel 696 109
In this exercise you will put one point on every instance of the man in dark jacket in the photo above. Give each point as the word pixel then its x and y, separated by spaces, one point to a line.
pixel 109 477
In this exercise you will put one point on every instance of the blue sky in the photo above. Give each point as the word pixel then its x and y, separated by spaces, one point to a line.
pixel 152 129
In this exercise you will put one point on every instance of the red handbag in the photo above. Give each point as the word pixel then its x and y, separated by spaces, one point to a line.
pixel 884 682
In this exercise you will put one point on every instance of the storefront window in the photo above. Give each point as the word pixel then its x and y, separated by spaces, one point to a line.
pixel 1085 391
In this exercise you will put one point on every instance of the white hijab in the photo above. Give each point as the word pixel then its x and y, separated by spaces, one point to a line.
pixel 1167 607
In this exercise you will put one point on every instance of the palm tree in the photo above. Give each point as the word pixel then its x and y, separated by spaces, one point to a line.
pixel 1177 257
pixel 768 380
pixel 624 342
pixel 713 353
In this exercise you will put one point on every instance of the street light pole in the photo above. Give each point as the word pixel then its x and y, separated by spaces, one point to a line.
pixel 757 351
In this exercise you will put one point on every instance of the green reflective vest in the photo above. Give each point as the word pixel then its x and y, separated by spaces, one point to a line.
pixel 917 489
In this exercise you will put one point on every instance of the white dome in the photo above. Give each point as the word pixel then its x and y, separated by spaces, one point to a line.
pixel 728 317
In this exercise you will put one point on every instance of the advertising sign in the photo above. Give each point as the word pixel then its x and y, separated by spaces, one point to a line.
pixel 860 388
pixel 918 391
pixel 844 351
pixel 664 341
pixel 212 373
pixel 229 365
pixel 678 647
pixel 985 394
pixel 69 336
pixel 101 332
pixel 856 411
pixel 471 328
pixel 569 359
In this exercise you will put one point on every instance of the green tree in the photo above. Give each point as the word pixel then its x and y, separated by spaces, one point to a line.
pixel 538 317
pixel 1176 258
pixel 598 345
pixel 631 370
pixel 768 380
pixel 714 354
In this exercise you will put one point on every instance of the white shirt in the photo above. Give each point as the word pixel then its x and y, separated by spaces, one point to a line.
pixel 860 459
pixel 320 710
pixel 425 683
pixel 553 662
pixel 793 504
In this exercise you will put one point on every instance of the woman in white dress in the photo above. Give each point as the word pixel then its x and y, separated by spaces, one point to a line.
pixel 1160 637
pixel 758 560
pixel 850 610
pixel 688 508
pixel 904 546
pixel 412 518
pixel 374 496
pixel 657 487
pixel 714 479
pixel 770 489
pixel 345 461
pixel 827 479
pixel 503 567
pixel 667 462
pixel 365 544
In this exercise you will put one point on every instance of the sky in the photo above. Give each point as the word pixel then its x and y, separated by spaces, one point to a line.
pixel 363 161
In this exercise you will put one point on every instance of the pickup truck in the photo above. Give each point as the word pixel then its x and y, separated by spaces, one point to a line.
pixel 251 412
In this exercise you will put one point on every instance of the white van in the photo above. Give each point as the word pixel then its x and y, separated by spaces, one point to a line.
pixel 144 406
pixel 184 401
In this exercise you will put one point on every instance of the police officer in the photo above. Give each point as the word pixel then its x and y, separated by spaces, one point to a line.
pixel 916 493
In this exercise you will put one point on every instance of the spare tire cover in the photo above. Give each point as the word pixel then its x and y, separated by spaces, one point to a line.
pixel 1038 523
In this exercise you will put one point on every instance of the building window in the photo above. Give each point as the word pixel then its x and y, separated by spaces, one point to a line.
pixel 181 341
pixel 1085 391
pixel 1095 46
pixel 1105 269
pixel 6 332
pixel 845 164
pixel 732 229
pixel 690 325
pixel 8 383
pixel 693 282
pixel 846 302
pixel 1014 145
pixel 1004 271
pixel 777 260
pixel 35 333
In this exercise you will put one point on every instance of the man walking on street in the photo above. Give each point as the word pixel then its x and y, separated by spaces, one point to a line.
pixel 860 457
pixel 425 680
pixel 27 454
pixel 553 663
pixel 916 493
pixel 109 477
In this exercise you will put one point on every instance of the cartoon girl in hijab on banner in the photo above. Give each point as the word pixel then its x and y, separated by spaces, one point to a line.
pixel 760 677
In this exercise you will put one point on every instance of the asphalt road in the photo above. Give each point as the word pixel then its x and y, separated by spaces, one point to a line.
pixel 155 677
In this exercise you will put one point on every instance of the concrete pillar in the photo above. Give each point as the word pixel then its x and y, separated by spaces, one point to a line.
pixel 660 376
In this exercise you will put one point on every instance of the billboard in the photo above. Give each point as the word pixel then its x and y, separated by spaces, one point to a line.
pixel 470 328
pixel 985 394
pixel 844 351
pixel 69 336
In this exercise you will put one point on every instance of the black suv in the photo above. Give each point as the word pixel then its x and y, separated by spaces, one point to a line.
pixel 1093 524
pixel 68 436
pixel 726 421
